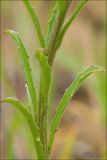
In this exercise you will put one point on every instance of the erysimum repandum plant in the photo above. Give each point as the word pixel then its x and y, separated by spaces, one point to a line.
pixel 36 114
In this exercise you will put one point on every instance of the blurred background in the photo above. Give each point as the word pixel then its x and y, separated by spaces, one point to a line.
pixel 83 128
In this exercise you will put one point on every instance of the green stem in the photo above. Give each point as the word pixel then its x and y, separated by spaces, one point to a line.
pixel 55 34
pixel 45 80
pixel 42 121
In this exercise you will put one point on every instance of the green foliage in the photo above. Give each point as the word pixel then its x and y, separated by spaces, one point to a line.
pixel 51 24
pixel 33 126
pixel 35 22
pixel 43 96
pixel 62 10
pixel 67 96
pixel 62 5
pixel 27 70
pixel 37 117
pixel 69 22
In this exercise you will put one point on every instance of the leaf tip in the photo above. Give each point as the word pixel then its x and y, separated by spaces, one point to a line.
pixel 7 99
pixel 6 31
pixel 11 32
pixel 99 68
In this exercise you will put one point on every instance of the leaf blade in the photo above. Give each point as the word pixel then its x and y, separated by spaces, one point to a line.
pixel 27 69
pixel 69 22
pixel 32 125
pixel 51 25
pixel 66 98
pixel 35 22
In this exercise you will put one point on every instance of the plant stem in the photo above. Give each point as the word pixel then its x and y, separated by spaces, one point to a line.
pixel 42 121
pixel 45 80
pixel 55 34
pixel 43 110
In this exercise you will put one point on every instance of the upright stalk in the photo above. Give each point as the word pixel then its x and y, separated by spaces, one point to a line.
pixel 43 98
pixel 42 121
pixel 56 30
pixel 36 117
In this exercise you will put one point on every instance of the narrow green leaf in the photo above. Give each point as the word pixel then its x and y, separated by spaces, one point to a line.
pixel 69 22
pixel 58 9
pixel 16 103
pixel 51 25
pixel 43 95
pixel 27 69
pixel 67 97
pixel 33 126
pixel 35 22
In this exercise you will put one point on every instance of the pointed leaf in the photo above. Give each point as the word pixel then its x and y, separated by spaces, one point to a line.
pixel 27 69
pixel 67 97
pixel 33 126
pixel 35 22
pixel 69 22
pixel 51 24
